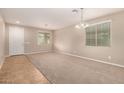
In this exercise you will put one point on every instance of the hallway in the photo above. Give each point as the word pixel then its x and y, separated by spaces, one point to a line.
pixel 19 70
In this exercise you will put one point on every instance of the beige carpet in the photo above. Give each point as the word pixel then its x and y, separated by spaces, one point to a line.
pixel 63 69
pixel 19 70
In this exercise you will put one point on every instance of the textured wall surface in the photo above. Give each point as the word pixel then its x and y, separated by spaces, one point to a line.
pixel 72 40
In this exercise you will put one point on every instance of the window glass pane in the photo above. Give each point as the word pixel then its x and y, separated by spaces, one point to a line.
pixel 47 38
pixel 98 35
pixel 103 34
pixel 91 36
pixel 43 38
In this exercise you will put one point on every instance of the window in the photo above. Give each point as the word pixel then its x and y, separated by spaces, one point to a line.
pixel 103 34
pixel 43 38
pixel 98 35
pixel 91 36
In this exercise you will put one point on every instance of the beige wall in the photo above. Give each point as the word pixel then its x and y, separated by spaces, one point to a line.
pixel 2 40
pixel 30 40
pixel 72 40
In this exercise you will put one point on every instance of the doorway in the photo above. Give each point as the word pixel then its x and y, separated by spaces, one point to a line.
pixel 16 40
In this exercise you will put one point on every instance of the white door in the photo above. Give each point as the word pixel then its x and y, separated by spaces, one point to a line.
pixel 16 40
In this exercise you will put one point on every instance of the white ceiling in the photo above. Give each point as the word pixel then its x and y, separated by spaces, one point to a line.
pixel 56 18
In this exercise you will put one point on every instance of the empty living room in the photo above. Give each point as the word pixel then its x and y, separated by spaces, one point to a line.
pixel 61 45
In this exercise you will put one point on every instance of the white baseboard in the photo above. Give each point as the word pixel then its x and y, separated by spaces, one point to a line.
pixel 100 61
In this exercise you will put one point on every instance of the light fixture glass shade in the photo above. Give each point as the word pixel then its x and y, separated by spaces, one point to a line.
pixel 77 26
pixel 86 25
pixel 82 25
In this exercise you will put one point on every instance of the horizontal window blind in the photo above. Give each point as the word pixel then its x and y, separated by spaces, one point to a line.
pixel 98 35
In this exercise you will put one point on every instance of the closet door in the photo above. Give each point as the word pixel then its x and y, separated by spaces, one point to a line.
pixel 16 40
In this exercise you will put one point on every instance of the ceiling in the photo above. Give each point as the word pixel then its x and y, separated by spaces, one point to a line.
pixel 52 18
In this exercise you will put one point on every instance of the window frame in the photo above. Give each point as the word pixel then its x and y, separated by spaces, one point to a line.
pixel 110 32
pixel 44 32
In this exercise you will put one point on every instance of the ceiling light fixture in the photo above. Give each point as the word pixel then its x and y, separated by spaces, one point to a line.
pixel 75 11
pixel 82 24
pixel 17 22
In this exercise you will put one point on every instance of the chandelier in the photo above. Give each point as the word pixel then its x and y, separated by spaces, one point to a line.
pixel 82 24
